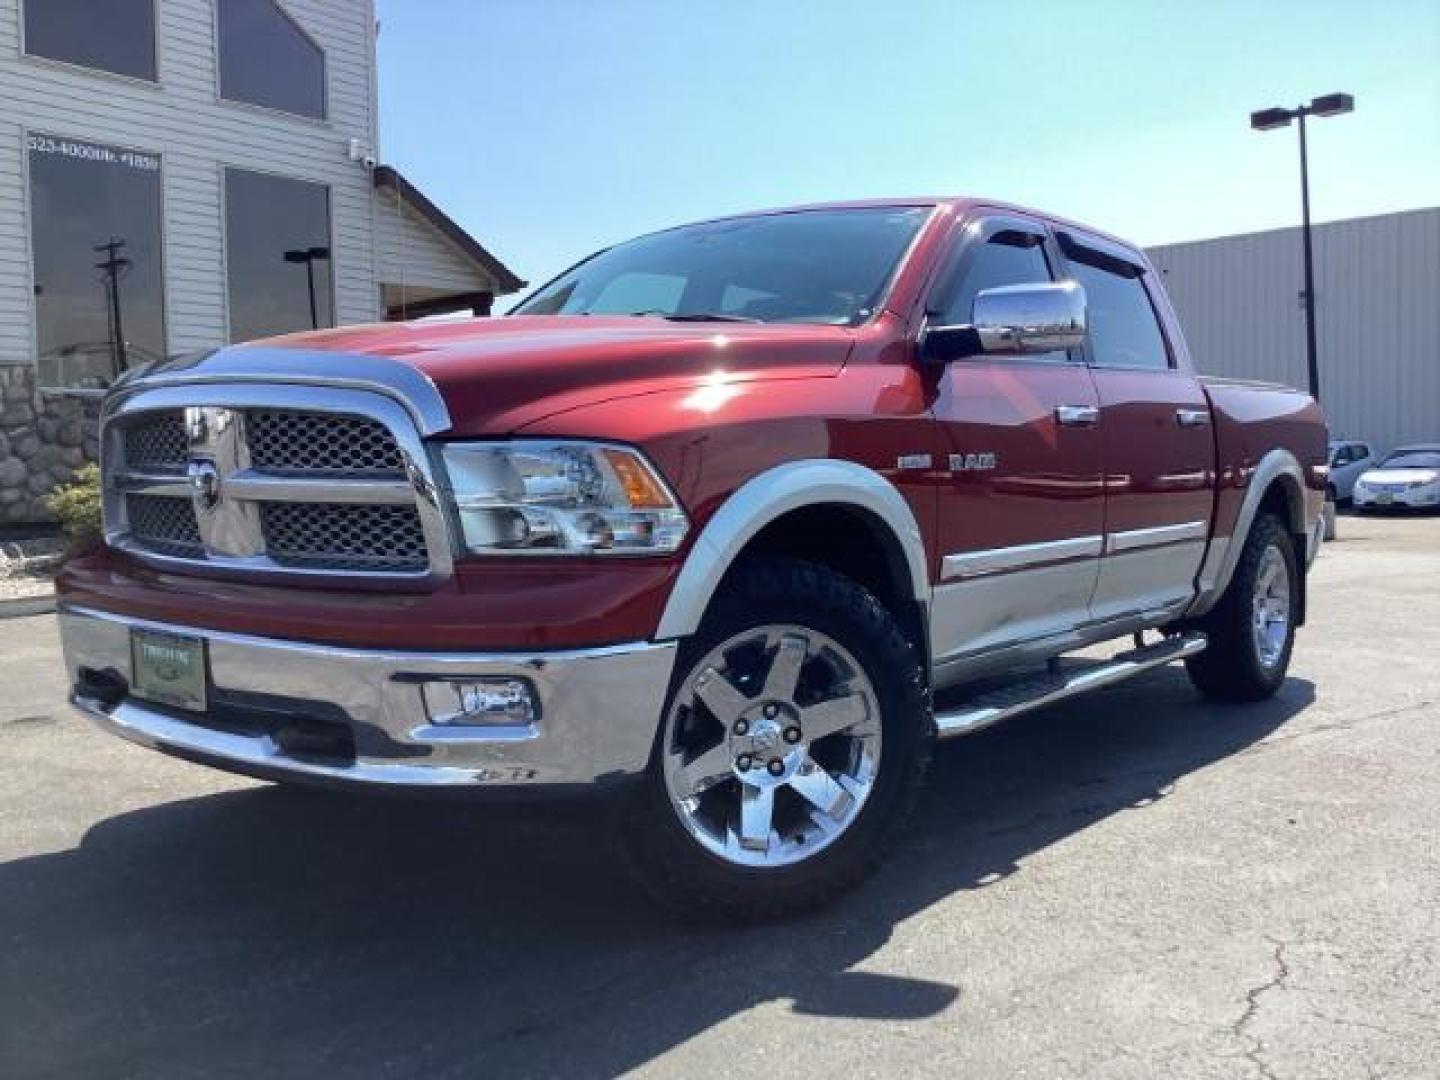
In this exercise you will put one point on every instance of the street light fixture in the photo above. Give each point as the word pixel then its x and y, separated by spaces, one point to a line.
pixel 1268 120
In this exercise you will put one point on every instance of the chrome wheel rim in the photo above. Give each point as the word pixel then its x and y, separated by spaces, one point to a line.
pixel 1270 608
pixel 771 746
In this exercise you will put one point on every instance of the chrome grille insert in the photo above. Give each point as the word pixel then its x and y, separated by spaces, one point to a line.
pixel 321 443
pixel 157 443
pixel 341 537
pixel 165 524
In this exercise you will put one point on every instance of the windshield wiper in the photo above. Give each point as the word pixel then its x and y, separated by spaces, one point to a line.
pixel 698 316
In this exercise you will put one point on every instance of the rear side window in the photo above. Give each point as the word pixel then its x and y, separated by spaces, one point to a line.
pixel 1123 329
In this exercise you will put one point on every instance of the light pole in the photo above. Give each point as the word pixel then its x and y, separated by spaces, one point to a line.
pixel 308 257
pixel 1265 120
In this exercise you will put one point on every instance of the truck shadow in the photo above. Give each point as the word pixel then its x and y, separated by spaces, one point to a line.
pixel 272 931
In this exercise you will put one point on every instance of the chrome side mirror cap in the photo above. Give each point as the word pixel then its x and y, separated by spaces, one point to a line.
pixel 1014 320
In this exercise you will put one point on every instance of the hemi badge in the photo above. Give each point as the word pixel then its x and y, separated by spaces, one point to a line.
pixel 913 461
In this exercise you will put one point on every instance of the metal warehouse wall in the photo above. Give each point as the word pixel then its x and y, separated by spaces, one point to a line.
pixel 1377 290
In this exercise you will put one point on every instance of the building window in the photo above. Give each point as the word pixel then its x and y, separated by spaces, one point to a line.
pixel 266 59
pixel 116 35
pixel 277 255
pixel 96 247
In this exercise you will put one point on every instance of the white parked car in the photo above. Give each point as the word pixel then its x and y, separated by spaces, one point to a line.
pixel 1348 459
pixel 1409 476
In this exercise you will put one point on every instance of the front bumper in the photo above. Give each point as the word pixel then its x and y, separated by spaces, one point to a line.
pixel 280 709
pixel 1420 498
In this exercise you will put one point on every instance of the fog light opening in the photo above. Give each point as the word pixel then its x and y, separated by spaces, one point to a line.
pixel 481 702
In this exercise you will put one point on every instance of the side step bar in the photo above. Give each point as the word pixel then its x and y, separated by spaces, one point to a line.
pixel 987 709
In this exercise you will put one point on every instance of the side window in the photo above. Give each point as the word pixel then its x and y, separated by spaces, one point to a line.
pixel 1007 258
pixel 1361 452
pixel 1123 329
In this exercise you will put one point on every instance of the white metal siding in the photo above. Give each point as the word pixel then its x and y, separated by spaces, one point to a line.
pixel 182 119
pixel 411 252
pixel 1377 293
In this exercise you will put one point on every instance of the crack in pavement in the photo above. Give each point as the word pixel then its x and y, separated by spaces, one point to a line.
pixel 1252 1008
pixel 1337 725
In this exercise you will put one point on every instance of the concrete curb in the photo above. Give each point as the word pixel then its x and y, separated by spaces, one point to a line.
pixel 22 606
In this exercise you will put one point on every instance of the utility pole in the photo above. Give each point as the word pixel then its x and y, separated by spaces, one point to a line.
pixel 112 267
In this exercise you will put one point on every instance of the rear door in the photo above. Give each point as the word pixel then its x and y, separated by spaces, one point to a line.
pixel 1156 432
pixel 1020 515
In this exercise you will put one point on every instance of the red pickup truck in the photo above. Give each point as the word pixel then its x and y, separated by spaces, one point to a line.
pixel 746 513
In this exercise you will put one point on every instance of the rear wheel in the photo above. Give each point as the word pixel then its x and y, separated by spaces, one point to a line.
pixel 794 740
pixel 1251 630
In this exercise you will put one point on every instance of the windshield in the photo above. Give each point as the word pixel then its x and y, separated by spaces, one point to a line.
pixel 1412 459
pixel 806 266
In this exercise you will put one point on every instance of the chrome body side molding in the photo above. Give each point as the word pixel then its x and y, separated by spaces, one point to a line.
pixel 1134 539
pixel 764 498
pixel 1018 557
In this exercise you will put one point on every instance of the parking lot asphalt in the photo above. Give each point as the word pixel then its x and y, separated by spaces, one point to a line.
pixel 1136 884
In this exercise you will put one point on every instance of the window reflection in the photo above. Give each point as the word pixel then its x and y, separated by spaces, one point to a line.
pixel 266 59
pixel 95 238
pixel 277 254
pixel 116 35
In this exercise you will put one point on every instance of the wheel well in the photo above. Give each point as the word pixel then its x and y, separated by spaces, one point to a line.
pixel 851 541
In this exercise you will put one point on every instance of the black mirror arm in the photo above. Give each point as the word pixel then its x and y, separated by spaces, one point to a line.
pixel 942 344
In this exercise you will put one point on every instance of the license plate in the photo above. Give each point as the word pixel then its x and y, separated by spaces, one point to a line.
pixel 168 668
pixel 1384 498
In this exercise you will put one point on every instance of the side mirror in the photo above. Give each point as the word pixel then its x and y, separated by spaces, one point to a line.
pixel 1013 320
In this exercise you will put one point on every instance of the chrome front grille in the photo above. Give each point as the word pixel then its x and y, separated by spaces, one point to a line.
pixel 254 487
pixel 166 525
pixel 156 441
pixel 343 537
pixel 321 444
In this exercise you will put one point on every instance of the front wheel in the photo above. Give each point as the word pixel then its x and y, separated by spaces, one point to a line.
pixel 793 743
pixel 1251 630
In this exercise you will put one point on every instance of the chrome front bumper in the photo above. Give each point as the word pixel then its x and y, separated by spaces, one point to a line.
pixel 598 711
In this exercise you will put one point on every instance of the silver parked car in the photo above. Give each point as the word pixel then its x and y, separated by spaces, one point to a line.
pixel 1348 459
pixel 1409 477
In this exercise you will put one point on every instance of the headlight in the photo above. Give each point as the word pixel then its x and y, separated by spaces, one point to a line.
pixel 560 498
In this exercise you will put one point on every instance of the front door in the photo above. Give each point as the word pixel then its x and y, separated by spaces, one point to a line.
pixel 1156 437
pixel 1020 520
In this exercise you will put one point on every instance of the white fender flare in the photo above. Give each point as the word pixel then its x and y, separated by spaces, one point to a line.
pixel 1224 552
pixel 766 497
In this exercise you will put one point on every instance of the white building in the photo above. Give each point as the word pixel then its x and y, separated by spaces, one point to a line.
pixel 1377 308
pixel 179 174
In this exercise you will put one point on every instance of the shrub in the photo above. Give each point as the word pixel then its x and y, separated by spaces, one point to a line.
pixel 77 506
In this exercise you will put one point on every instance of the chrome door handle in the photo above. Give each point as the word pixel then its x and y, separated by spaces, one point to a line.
pixel 1077 415
pixel 1192 417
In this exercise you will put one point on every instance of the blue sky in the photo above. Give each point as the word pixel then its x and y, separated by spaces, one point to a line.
pixel 549 128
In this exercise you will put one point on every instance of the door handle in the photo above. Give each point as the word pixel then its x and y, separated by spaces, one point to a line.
pixel 1077 415
pixel 1192 417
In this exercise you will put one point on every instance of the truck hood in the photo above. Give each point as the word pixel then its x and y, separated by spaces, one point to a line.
pixel 498 375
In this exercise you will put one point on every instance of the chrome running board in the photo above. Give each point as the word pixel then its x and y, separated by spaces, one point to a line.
pixel 992 706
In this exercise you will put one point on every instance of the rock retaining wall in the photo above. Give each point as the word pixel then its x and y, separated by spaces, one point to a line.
pixel 44 438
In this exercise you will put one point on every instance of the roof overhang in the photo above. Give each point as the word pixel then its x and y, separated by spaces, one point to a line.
pixel 388 178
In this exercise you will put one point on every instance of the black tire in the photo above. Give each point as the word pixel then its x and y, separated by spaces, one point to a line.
pixel 1232 668
pixel 697 883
